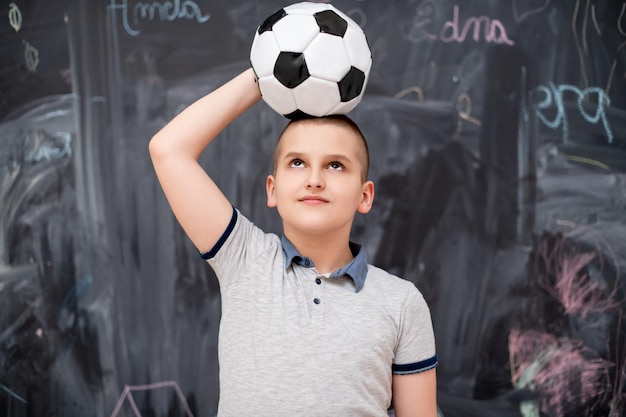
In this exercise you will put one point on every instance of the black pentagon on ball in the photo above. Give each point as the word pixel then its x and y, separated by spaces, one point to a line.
pixel 290 69
pixel 331 23
pixel 269 23
pixel 298 115
pixel 351 85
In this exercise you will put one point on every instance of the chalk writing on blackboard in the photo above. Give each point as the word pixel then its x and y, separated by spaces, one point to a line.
pixel 166 11
pixel 584 160
pixel 15 17
pixel 621 29
pixel 127 395
pixel 478 28
pixel 554 97
pixel 31 57
pixel 13 394
pixel 50 147
pixel 465 112
pixel 414 89
pixel 566 373
pixel 523 9
pixel 575 289
pixel 463 106
pixel 581 36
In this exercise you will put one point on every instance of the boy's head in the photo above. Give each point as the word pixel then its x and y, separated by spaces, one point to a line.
pixel 340 121
pixel 319 176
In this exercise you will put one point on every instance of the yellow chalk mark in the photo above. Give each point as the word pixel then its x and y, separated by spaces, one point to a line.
pixel 31 57
pixel 584 29
pixel 619 20
pixel 466 112
pixel 611 73
pixel 577 42
pixel 409 90
pixel 588 161
pixel 566 223
pixel 15 17
pixel 594 20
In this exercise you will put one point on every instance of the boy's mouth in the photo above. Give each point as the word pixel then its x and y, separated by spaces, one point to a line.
pixel 313 199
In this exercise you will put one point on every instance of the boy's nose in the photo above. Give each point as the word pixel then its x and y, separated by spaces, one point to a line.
pixel 315 180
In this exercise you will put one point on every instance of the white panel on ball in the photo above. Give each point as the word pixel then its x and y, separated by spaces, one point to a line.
pixel 357 48
pixel 345 107
pixel 316 97
pixel 327 58
pixel 263 54
pixel 277 96
pixel 295 33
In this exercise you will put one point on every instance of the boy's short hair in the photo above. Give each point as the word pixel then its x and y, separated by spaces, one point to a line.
pixel 339 120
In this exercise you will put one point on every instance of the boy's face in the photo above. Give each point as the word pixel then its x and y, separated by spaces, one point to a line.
pixel 318 186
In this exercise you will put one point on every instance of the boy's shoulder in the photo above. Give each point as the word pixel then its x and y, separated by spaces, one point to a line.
pixel 382 280
pixel 242 241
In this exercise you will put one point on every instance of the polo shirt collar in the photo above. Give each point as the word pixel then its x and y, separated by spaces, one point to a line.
pixel 356 269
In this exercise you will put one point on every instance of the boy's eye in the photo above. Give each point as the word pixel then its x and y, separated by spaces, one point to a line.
pixel 335 165
pixel 296 163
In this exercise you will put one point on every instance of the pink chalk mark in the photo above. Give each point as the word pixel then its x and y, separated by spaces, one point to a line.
pixel 617 405
pixel 576 291
pixel 128 390
pixel 494 31
pixel 570 293
pixel 566 373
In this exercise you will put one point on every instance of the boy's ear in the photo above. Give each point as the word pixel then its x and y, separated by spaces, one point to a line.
pixel 270 189
pixel 367 197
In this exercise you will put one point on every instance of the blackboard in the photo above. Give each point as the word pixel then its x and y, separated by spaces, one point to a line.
pixel 497 131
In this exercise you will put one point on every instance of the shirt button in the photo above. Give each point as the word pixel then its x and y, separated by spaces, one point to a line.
pixel 318 281
pixel 307 262
pixel 316 300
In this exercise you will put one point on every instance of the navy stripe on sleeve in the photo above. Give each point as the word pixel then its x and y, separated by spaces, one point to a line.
pixel 222 239
pixel 414 368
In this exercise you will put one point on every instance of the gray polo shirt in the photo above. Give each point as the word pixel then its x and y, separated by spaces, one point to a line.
pixel 293 342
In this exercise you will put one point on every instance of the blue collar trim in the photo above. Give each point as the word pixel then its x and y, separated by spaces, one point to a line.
pixel 356 269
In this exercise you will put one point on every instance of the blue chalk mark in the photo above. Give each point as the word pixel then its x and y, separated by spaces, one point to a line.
pixel 77 291
pixel 13 394
pixel 151 11
pixel 554 96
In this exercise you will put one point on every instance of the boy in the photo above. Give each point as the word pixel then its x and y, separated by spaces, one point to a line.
pixel 308 328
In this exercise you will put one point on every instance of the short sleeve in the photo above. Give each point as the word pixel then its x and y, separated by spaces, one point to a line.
pixel 416 346
pixel 239 246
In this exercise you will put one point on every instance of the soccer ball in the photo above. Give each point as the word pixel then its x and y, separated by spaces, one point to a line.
pixel 310 59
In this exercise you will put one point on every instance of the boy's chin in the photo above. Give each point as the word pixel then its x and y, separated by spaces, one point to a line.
pixel 311 227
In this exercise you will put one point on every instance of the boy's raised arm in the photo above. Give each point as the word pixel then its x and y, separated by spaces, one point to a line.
pixel 198 204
